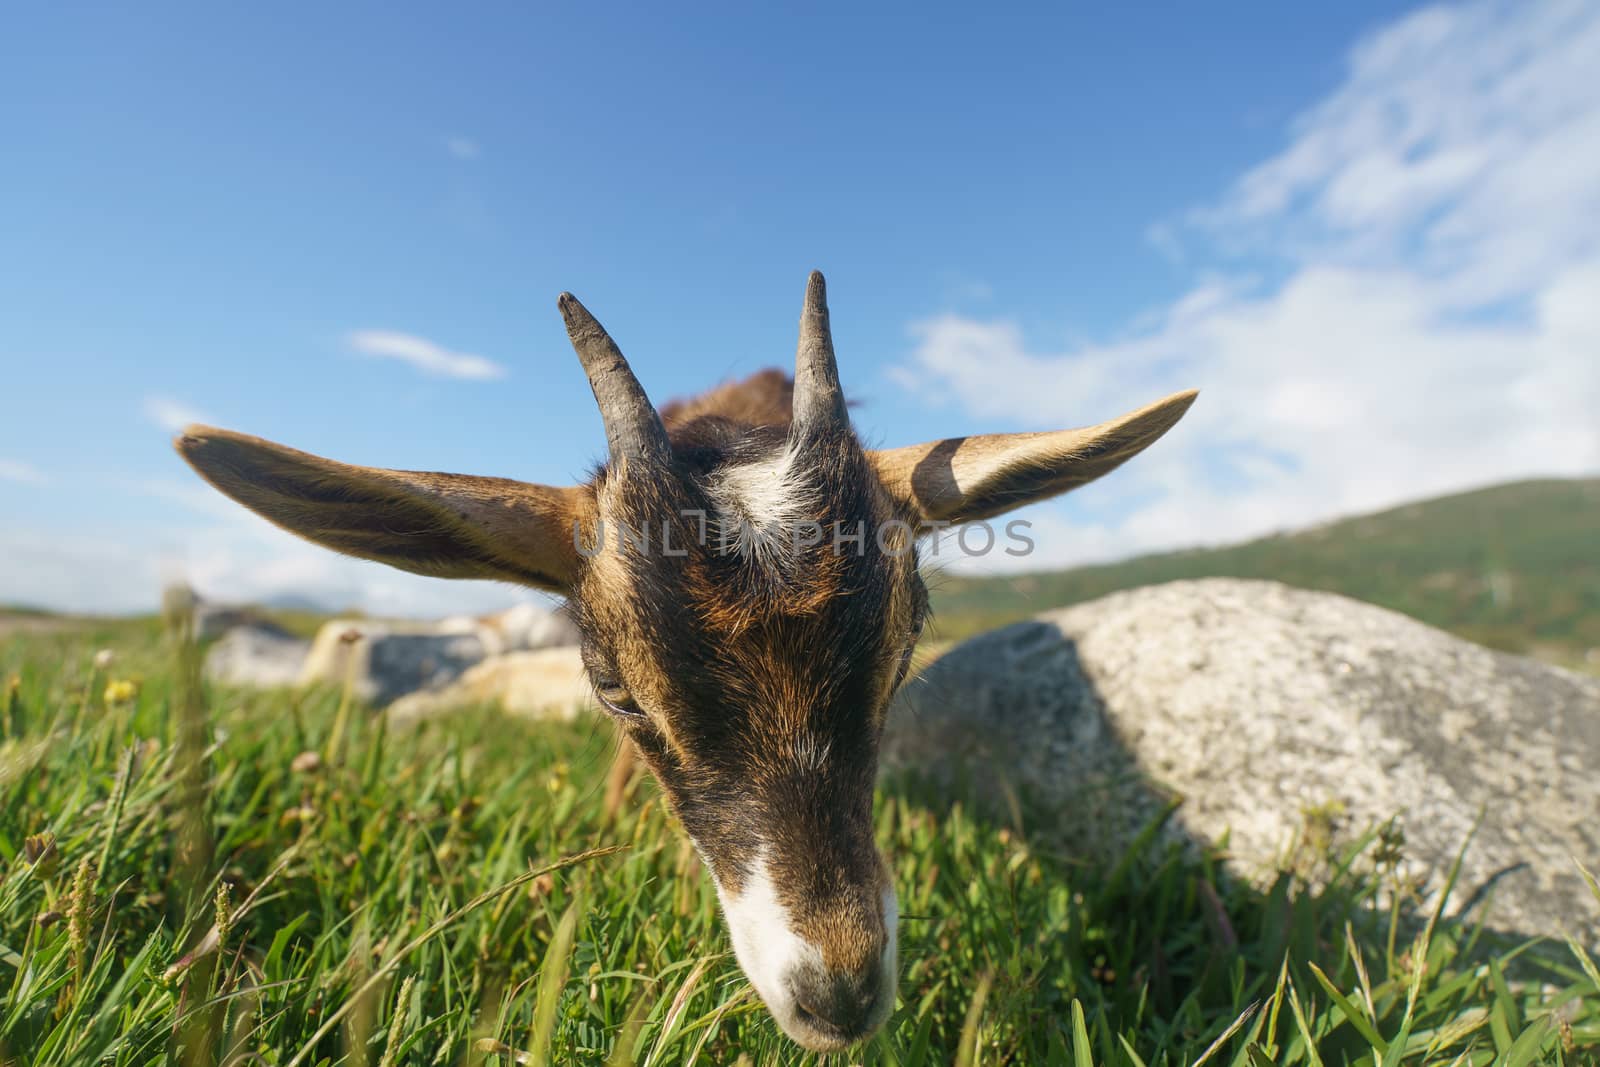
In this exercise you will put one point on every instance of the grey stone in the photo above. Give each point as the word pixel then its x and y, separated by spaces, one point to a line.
pixel 210 618
pixel 256 656
pixel 541 683
pixel 1254 704
pixel 214 620
pixel 384 661
pixel 521 628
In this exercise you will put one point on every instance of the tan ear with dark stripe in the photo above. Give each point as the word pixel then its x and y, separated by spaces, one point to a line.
pixel 443 525
pixel 963 479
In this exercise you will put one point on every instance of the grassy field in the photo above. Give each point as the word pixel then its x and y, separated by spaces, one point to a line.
pixel 1512 566
pixel 196 876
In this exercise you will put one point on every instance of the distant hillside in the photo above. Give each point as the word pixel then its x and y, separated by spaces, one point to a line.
pixel 1515 566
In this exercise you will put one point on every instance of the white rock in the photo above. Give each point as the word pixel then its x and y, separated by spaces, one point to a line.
pixel 1255 702
pixel 383 661
pixel 544 683
pixel 256 656
pixel 528 626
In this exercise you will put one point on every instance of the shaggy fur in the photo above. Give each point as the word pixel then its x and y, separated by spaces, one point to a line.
pixel 742 614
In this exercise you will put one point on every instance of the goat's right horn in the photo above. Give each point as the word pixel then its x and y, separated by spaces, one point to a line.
pixel 818 399
pixel 633 428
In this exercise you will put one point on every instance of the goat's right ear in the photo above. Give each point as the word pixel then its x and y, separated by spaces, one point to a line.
pixel 963 479
pixel 442 525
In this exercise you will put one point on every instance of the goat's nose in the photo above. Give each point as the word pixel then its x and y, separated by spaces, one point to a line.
pixel 840 1004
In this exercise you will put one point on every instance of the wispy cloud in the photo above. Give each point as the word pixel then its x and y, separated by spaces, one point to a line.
pixel 15 470
pixel 462 147
pixel 225 551
pixel 965 289
pixel 171 414
pixel 193 496
pixel 73 570
pixel 424 355
pixel 1433 232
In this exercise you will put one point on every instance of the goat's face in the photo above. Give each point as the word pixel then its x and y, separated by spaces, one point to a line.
pixel 747 621
pixel 748 598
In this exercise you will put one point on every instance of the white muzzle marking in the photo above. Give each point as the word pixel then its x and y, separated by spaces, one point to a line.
pixel 773 955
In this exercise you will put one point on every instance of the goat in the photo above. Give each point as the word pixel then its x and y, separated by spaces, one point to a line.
pixel 750 667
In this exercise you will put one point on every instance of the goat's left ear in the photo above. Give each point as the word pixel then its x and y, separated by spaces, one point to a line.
pixel 963 479
pixel 441 525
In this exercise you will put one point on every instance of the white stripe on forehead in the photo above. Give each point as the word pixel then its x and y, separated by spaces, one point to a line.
pixel 811 752
pixel 763 507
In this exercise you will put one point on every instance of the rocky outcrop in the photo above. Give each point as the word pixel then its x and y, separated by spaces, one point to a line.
pixel 256 656
pixel 382 661
pixel 213 620
pixel 1256 704
pixel 522 628
pixel 548 683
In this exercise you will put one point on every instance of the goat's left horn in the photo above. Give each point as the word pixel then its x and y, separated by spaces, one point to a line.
pixel 633 428
pixel 818 399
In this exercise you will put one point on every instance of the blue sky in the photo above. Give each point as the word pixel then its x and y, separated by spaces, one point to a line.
pixel 1365 230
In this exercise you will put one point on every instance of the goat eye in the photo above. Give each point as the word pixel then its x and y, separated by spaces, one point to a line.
pixel 905 664
pixel 906 656
pixel 616 699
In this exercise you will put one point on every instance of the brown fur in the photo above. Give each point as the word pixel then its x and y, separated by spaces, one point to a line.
pixel 763 399
pixel 753 686
pixel 803 665
pixel 961 479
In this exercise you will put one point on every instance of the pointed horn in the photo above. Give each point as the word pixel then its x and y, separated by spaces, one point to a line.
pixel 633 428
pixel 818 400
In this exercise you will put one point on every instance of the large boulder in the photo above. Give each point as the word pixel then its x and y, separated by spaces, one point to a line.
pixel 210 619
pixel 1258 706
pixel 546 683
pixel 256 655
pixel 213 620
pixel 520 628
pixel 383 661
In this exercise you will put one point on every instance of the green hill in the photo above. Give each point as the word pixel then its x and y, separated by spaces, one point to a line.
pixel 1514 566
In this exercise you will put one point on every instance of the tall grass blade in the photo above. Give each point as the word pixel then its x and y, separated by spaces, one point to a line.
pixel 626 1046
pixel 1227 1035
pixel 1362 1025
pixel 1305 1029
pixel 433 929
pixel 1082 1055
pixel 552 980
pixel 1526 1047
pixel 669 1027
pixel 971 1027
pixel 1588 877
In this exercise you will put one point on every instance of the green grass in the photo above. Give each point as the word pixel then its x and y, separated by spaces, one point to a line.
pixel 183 883
pixel 1511 566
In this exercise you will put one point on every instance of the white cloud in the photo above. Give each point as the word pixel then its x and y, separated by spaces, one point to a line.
pixel 254 561
pixel 239 558
pixel 1164 239
pixel 193 496
pixel 15 470
pixel 1465 142
pixel 226 552
pixel 169 414
pixel 462 147
pixel 1434 227
pixel 423 354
